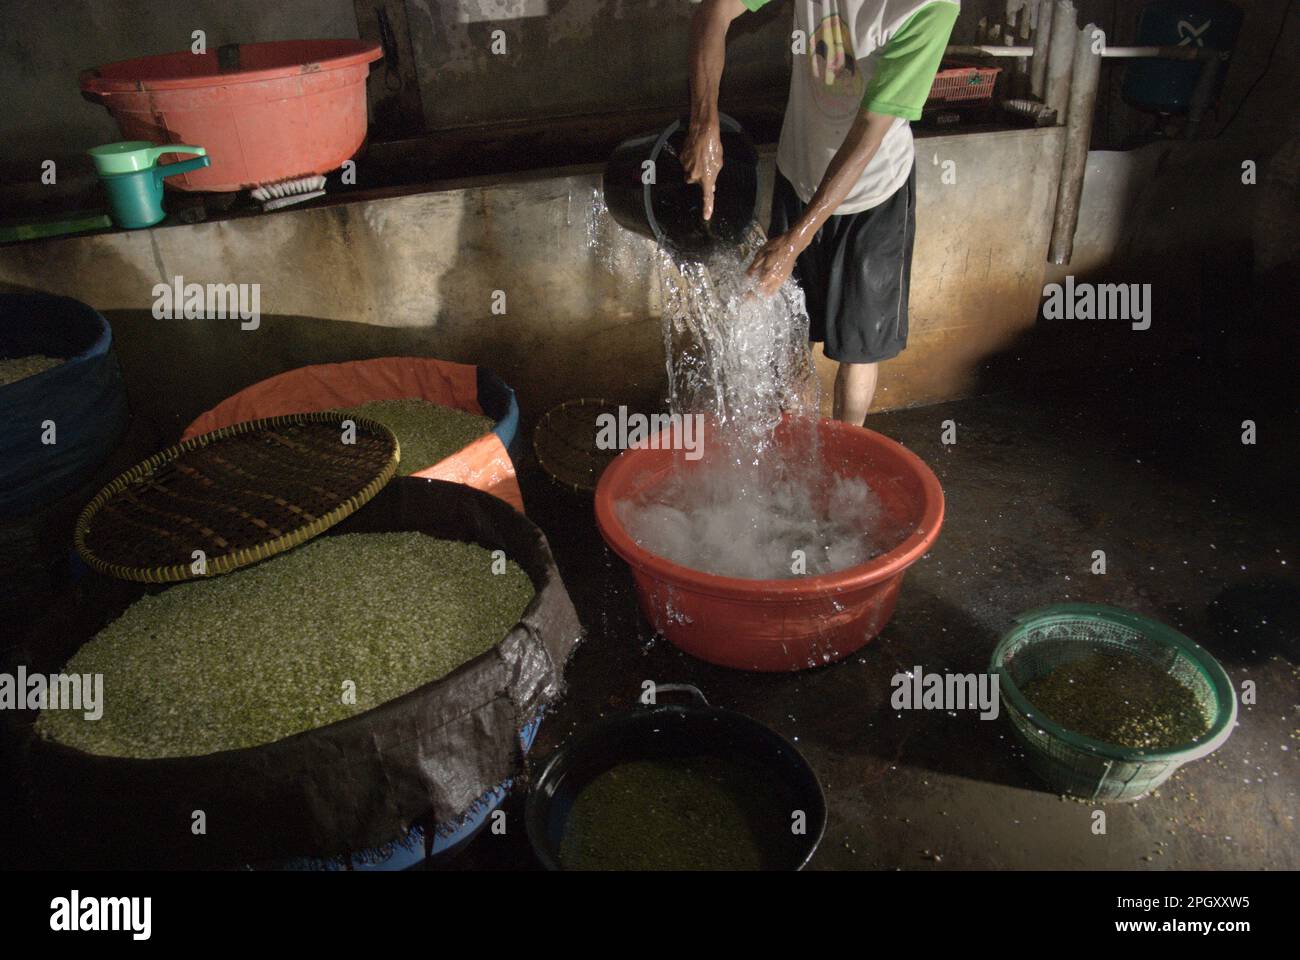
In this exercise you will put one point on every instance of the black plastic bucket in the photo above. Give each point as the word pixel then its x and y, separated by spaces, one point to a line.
pixel 670 210
pixel 672 731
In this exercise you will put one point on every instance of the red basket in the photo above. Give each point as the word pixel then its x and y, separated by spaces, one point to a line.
pixel 963 84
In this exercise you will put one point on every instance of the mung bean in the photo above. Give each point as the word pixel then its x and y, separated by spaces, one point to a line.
pixel 13 369
pixel 264 652
pixel 674 813
pixel 427 432
pixel 1121 699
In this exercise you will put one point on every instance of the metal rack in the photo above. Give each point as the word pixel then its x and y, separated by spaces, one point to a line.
pixel 1064 71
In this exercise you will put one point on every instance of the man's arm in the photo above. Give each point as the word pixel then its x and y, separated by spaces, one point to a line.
pixel 775 261
pixel 702 150
pixel 899 89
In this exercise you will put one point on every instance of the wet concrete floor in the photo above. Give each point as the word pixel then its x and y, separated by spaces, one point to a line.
pixel 1199 531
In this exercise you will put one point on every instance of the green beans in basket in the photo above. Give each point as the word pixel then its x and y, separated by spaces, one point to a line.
pixel 273 649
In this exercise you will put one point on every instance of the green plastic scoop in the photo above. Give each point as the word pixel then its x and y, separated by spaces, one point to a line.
pixel 133 178
pixel 129 156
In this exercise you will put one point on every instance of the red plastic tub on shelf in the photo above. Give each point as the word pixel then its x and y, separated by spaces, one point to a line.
pixel 264 111
pixel 778 625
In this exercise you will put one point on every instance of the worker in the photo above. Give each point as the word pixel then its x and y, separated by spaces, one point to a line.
pixel 844 201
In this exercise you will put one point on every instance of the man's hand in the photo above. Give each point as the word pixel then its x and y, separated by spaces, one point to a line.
pixel 702 150
pixel 702 159
pixel 774 262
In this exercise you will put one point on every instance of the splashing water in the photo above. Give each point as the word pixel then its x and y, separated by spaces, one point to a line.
pixel 773 531
pixel 732 353
pixel 621 252
pixel 761 503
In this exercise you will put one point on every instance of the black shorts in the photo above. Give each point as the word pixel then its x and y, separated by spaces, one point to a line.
pixel 855 273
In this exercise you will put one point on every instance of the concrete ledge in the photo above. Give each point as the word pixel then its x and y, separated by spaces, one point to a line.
pixel 417 271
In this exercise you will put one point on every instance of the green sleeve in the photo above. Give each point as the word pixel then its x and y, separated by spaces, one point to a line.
pixel 753 5
pixel 909 62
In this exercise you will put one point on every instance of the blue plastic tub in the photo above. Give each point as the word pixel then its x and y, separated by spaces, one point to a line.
pixel 408 852
pixel 83 398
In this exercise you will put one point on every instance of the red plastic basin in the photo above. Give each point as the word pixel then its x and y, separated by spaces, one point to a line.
pixel 292 108
pixel 779 625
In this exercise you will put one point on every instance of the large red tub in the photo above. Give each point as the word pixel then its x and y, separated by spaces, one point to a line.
pixel 264 111
pixel 778 625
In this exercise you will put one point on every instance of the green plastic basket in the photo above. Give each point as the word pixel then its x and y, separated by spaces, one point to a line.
pixel 1077 765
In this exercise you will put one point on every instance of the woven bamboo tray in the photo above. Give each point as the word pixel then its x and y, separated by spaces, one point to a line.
pixel 239 494
pixel 564 441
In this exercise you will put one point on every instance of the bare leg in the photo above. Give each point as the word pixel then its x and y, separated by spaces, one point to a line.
pixel 855 385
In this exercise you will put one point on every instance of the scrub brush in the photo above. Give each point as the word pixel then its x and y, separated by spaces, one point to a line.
pixel 273 196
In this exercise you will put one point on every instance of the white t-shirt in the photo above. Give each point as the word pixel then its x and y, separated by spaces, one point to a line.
pixel 845 43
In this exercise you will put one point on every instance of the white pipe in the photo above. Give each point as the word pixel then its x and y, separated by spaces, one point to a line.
pixel 987 50
pixel 1165 53
pixel 1127 53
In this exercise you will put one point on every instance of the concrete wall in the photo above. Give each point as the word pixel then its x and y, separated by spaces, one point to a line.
pixel 580 57
pixel 977 270
pixel 567 57
pixel 1210 235
pixel 417 274
pixel 583 56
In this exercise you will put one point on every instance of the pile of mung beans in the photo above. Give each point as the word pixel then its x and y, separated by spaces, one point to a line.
pixel 673 813
pixel 1121 699
pixel 13 369
pixel 269 651
pixel 426 432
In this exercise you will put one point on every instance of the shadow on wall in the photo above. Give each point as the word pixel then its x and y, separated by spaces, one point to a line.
pixel 528 294
pixel 1214 264
pixel 1179 395
pixel 583 57
pixel 205 361
pixel 499 276
pixel 172 379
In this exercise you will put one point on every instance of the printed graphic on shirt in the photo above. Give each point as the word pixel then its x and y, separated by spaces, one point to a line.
pixel 838 85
